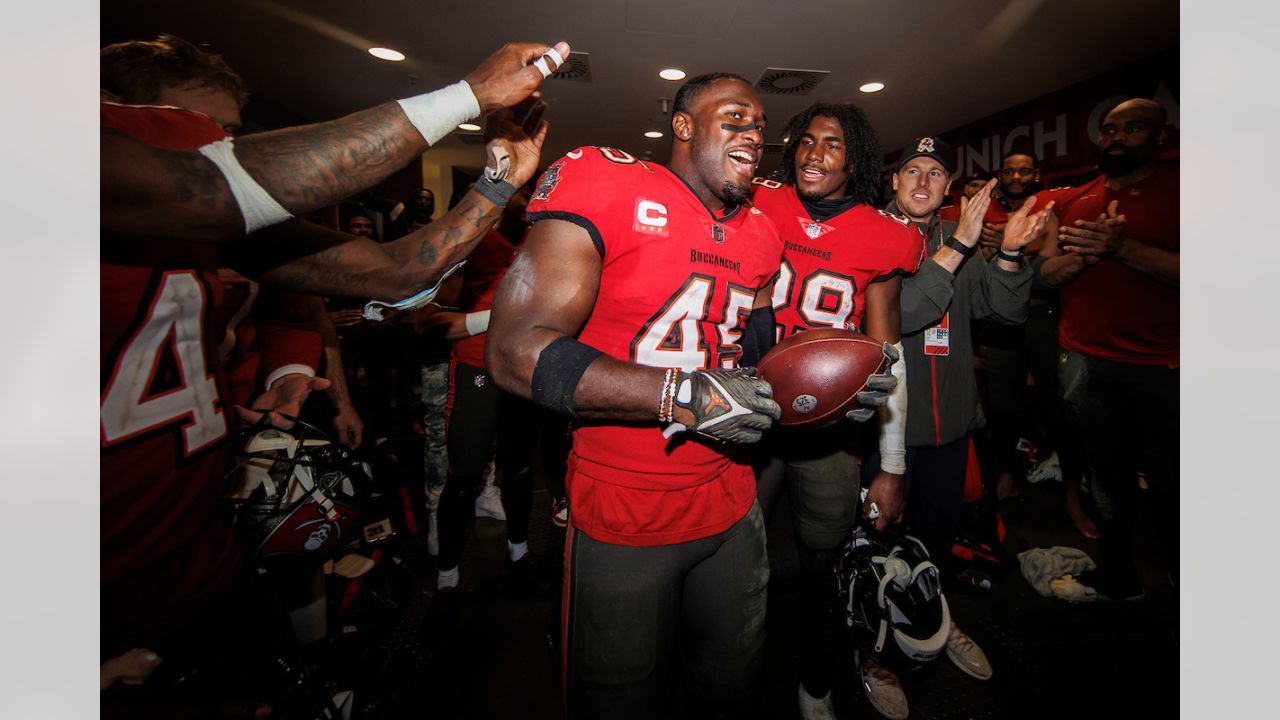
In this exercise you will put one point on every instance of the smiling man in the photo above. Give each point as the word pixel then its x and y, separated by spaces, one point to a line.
pixel 842 268
pixel 624 310
pixel 952 287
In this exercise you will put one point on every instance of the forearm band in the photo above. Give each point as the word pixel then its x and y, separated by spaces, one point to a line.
pixel 498 192
pixel 558 372
pixel 257 207
pixel 476 322
pixel 436 114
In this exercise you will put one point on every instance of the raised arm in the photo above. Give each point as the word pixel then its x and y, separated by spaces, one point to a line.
pixel 307 258
pixel 151 192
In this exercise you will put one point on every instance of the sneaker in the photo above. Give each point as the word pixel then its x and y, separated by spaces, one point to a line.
pixel 433 535
pixel 882 687
pixel 966 655
pixel 812 708
pixel 1085 588
pixel 560 512
pixel 1050 469
pixel 489 504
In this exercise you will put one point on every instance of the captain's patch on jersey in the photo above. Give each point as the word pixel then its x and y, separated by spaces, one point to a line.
pixel 651 217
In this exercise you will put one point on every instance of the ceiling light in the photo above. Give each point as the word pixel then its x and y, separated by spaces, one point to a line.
pixel 472 127
pixel 387 54
pixel 653 134
pixel 872 87
pixel 671 74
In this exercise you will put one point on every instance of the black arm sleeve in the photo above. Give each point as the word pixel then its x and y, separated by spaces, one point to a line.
pixel 758 336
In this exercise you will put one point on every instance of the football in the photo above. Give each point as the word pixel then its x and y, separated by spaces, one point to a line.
pixel 817 374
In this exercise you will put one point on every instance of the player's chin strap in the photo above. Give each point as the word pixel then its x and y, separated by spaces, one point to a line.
pixel 374 309
pixel 893 420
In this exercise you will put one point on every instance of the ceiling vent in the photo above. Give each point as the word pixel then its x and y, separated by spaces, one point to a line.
pixel 576 67
pixel 787 81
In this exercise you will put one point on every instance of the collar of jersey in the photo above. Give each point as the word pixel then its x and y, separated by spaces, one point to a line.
pixel 729 214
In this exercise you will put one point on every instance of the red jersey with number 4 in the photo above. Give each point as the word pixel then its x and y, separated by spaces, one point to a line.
pixel 827 266
pixel 485 268
pixel 1110 310
pixel 165 548
pixel 677 284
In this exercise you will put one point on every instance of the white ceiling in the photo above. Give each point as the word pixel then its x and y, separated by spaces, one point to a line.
pixel 945 62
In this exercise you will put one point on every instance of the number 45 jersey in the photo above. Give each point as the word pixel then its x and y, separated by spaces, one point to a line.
pixel 828 265
pixel 677 284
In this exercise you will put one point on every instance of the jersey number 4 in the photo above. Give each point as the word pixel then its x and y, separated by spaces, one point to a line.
pixel 171 333
pixel 675 337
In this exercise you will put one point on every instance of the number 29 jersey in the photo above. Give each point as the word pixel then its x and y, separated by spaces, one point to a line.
pixel 677 284
pixel 827 266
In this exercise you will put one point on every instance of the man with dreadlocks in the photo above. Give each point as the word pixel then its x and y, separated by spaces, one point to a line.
pixel 842 267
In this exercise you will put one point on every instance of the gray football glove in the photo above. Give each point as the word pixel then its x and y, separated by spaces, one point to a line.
pixel 727 405
pixel 879 386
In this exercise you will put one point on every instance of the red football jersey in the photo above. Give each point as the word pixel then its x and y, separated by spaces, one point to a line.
pixel 1109 310
pixel 677 285
pixel 828 265
pixel 485 268
pixel 165 547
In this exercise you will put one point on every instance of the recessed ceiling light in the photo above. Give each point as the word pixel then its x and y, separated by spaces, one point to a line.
pixel 387 54
pixel 671 74
pixel 653 134
pixel 872 87
pixel 472 127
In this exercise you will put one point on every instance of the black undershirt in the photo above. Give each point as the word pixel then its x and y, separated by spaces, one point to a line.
pixel 822 210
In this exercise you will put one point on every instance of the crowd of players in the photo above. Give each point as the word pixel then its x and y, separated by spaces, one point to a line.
pixel 632 308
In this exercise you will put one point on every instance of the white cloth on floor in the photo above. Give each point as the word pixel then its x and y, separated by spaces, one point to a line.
pixel 1040 566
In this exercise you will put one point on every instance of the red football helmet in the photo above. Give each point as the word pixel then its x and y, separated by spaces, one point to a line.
pixel 295 494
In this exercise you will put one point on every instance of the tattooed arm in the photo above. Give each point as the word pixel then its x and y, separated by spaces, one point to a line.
pixel 311 259
pixel 154 192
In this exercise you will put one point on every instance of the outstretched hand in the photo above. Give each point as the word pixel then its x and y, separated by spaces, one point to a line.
pixel 972 211
pixel 509 75
pixel 517 133
pixel 285 398
pixel 1023 226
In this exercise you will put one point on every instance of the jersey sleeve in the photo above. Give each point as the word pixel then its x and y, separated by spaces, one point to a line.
pixel 287 339
pixel 904 246
pixel 570 190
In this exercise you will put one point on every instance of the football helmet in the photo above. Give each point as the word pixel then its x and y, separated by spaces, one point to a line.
pixel 892 597
pixel 294 494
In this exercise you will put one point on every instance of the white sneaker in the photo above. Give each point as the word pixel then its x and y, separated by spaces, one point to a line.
pixel 966 655
pixel 881 687
pixel 489 504
pixel 1049 469
pixel 433 537
pixel 812 708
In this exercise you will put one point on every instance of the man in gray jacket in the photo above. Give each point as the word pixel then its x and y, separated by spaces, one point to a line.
pixel 953 286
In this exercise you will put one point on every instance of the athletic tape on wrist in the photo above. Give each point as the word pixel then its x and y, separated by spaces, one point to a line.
pixel 374 309
pixel 893 420
pixel 436 114
pixel 498 192
pixel 477 322
pixel 257 207
pixel 559 370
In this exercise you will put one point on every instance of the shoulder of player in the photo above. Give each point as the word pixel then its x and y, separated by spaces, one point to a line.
pixel 882 221
pixel 163 125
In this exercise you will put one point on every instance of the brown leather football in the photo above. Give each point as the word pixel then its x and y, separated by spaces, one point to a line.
pixel 817 374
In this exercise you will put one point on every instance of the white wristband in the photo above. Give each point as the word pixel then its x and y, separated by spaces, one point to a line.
pixel 297 369
pixel 477 322
pixel 436 114
pixel 893 420
pixel 257 207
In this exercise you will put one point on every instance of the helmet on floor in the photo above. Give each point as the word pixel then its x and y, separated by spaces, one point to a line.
pixel 892 596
